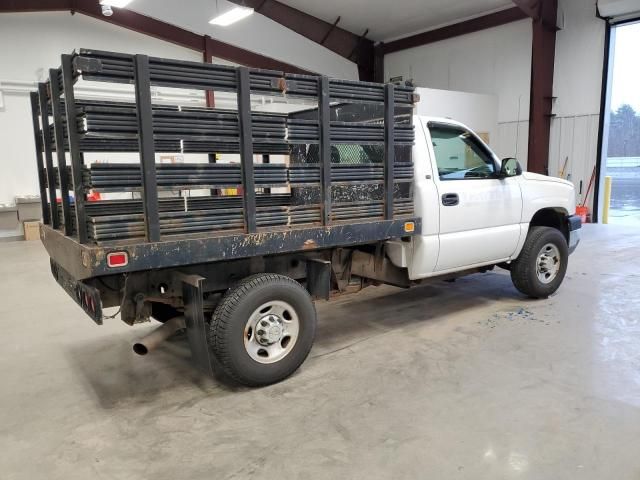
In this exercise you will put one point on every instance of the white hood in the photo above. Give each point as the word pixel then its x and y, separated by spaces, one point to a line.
pixel 545 178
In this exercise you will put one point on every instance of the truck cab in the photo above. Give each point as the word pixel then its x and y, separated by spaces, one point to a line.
pixel 476 209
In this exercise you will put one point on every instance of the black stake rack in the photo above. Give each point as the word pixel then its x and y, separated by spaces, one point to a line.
pixel 356 157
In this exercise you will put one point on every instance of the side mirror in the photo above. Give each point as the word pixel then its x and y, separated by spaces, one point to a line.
pixel 510 168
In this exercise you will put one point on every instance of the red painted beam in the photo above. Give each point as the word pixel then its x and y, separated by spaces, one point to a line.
pixel 378 63
pixel 543 50
pixel 154 28
pixel 207 57
pixel 14 6
pixel 468 26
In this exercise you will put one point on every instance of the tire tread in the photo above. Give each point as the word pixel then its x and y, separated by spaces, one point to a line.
pixel 521 274
pixel 222 320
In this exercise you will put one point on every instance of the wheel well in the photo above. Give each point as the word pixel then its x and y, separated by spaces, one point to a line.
pixel 551 217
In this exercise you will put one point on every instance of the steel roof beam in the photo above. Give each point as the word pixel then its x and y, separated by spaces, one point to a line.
pixel 346 44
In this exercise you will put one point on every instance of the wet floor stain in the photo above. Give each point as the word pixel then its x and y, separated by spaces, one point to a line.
pixel 519 314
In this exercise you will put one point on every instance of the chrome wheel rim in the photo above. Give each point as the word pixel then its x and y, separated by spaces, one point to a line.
pixel 271 331
pixel 548 263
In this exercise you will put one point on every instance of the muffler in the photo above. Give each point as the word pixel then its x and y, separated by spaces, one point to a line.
pixel 151 341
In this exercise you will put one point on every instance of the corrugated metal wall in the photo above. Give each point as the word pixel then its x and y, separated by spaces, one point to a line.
pixel 574 139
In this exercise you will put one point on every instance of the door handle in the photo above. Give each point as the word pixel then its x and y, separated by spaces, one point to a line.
pixel 450 199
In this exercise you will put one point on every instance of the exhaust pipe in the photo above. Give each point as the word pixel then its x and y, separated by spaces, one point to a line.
pixel 151 341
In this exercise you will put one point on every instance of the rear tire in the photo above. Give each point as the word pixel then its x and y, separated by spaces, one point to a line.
pixel 541 266
pixel 263 329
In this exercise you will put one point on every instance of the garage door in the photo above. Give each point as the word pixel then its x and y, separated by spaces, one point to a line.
pixel 619 10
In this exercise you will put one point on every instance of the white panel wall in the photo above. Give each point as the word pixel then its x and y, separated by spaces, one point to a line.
pixel 496 61
pixel 477 111
pixel 33 42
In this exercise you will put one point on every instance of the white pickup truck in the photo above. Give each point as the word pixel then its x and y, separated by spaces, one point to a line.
pixel 255 314
pixel 367 193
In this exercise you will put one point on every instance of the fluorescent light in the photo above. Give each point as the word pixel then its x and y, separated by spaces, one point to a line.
pixel 232 16
pixel 116 3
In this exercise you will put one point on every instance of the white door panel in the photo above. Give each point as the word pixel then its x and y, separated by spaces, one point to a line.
pixel 482 204
pixel 494 244
pixel 483 226
pixel 479 213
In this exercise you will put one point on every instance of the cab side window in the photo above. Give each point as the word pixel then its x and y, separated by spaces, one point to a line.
pixel 459 155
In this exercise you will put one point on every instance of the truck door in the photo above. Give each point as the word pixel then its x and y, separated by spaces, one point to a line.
pixel 479 212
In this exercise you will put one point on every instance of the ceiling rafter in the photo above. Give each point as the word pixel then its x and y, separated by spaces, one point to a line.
pixel 483 22
pixel 349 45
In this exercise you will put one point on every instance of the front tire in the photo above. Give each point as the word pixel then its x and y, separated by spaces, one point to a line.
pixel 263 329
pixel 542 264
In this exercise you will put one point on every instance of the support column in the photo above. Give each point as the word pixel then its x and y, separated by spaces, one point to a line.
pixel 378 63
pixel 207 57
pixel 541 100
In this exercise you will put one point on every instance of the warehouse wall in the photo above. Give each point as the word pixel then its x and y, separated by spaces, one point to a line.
pixel 495 62
pixel 577 87
pixel 32 43
pixel 477 111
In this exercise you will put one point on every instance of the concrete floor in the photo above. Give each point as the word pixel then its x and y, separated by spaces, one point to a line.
pixel 464 380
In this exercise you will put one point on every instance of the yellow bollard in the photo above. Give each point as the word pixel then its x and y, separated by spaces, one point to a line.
pixel 607 199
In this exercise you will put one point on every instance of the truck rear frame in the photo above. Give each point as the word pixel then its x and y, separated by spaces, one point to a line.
pixel 148 256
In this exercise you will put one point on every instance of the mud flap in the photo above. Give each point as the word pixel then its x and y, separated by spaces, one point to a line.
pixel 319 279
pixel 194 319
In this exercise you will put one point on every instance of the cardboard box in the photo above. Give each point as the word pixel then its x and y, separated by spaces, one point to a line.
pixel 31 230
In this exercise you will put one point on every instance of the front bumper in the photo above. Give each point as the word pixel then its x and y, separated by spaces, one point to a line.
pixel 575 224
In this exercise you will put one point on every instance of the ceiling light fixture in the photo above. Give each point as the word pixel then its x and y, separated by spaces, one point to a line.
pixel 232 16
pixel 116 3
